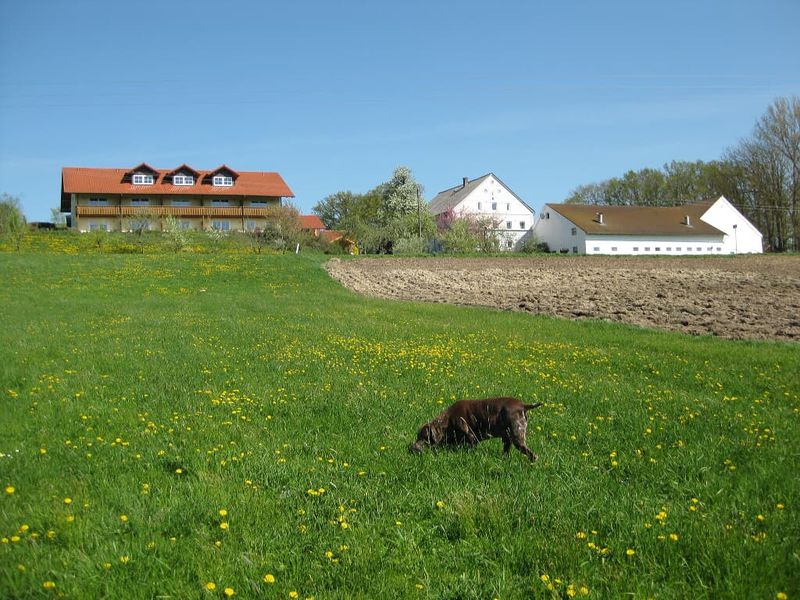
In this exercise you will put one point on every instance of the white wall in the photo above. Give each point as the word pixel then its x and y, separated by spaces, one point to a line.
pixel 556 231
pixel 508 208
pixel 741 236
pixel 667 245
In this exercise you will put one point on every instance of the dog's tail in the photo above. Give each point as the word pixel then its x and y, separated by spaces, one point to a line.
pixel 528 407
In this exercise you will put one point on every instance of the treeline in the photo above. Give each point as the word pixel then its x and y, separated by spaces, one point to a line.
pixel 760 176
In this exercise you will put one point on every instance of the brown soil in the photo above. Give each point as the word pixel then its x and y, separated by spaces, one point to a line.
pixel 752 297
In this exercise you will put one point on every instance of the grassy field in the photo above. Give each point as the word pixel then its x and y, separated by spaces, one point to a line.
pixel 201 426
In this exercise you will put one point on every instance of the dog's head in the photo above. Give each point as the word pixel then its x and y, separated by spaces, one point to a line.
pixel 429 434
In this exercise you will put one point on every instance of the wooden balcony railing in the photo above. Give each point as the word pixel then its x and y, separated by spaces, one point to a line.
pixel 175 211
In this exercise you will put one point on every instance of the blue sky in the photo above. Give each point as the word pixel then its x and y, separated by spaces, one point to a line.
pixel 335 95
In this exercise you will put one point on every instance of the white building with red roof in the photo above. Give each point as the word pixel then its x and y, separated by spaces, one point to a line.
pixel 222 199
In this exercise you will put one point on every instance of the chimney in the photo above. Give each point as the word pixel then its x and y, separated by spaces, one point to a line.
pixel 688 221
pixel 600 218
pixel 465 181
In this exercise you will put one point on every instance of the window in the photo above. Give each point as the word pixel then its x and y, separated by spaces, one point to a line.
pixel 98 202
pixel 508 224
pixel 494 205
pixel 224 180
pixel 184 225
pixel 669 249
pixel 98 226
pixel 574 231
pixel 647 248
pixel 508 207
pixel 479 205
pixel 711 248
pixel 219 203
pixel 699 249
pixel 677 249
pixel 658 248
pixel 142 179
pixel 522 224
pixel 250 225
pixel 636 248
pixel 218 225
pixel 183 180
pixel 547 215
pixel 574 249
pixel 258 203
pixel 613 248
pixel 509 244
pixel 719 249
pixel 181 202
pixel 596 248
pixel 140 202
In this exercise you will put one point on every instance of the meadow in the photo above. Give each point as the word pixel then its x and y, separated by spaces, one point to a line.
pixel 237 425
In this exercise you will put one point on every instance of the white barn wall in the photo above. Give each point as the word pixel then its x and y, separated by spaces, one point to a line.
pixel 667 245
pixel 556 231
pixel 741 236
pixel 509 208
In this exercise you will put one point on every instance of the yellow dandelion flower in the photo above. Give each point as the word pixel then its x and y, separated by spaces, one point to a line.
pixel 439 504
pixel 269 578
pixel 673 537
pixel 630 551
pixel 223 512
pixel 584 591
pixel 223 525
pixel 779 506
pixel 10 489
pixel 229 592
pixel 123 518
pixel 211 586
pixel 67 500
pixel 293 594
pixel 49 585
pixel 781 596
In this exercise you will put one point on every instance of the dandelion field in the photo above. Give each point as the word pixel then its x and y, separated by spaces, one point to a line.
pixel 208 426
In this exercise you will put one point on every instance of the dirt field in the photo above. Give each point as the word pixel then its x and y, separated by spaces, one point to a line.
pixel 746 297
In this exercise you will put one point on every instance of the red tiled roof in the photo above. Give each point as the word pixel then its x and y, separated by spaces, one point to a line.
pixel 310 222
pixel 76 180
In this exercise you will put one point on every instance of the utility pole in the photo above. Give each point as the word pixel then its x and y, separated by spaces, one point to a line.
pixel 419 214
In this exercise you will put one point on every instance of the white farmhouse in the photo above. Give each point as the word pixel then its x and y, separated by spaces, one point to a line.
pixel 692 229
pixel 487 196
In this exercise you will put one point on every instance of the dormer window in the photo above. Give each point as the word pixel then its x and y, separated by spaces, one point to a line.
pixel 142 179
pixel 222 180
pixel 182 180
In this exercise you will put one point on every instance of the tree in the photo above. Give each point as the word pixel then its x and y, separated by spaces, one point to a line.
pixel 12 222
pixel 391 211
pixel 58 218
pixel 767 168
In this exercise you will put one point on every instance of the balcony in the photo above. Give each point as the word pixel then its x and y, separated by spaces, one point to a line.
pixel 176 211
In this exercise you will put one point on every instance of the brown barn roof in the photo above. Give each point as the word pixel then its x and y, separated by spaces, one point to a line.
pixel 76 180
pixel 638 220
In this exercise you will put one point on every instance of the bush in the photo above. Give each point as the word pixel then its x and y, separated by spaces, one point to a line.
pixel 410 246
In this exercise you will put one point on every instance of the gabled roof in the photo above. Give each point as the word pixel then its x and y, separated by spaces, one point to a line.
pixel 448 199
pixel 142 168
pixel 76 180
pixel 184 168
pixel 638 220
pixel 310 222
pixel 223 169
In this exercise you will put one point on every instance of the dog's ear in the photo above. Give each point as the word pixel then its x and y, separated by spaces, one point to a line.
pixel 424 434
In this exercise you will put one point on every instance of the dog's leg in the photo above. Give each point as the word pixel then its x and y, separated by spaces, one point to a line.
pixel 464 427
pixel 518 434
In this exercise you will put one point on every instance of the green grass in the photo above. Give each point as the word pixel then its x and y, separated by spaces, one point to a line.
pixel 264 382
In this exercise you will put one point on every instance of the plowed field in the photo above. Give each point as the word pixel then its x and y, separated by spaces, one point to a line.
pixel 743 297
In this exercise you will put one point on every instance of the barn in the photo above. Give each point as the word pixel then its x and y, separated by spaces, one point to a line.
pixel 702 228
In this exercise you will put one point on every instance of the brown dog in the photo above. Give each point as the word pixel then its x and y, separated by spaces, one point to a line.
pixel 472 421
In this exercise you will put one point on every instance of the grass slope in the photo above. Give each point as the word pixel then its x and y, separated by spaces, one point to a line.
pixel 200 426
